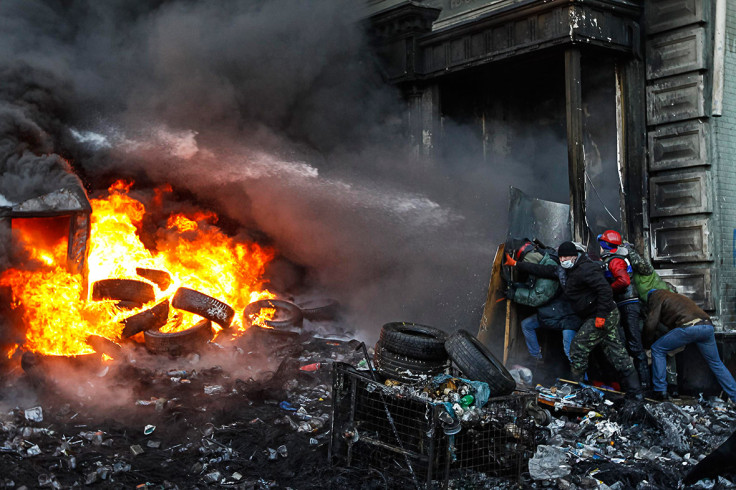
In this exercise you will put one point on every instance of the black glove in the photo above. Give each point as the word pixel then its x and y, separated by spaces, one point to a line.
pixel 510 291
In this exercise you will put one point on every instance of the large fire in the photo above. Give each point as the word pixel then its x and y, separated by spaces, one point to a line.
pixel 192 249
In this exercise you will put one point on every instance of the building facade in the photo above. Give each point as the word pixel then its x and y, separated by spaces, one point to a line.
pixel 640 97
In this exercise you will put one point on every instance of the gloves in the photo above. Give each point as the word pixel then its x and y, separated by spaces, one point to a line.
pixel 599 322
pixel 510 292
pixel 509 261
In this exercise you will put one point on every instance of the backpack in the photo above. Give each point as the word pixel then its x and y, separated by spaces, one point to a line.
pixel 645 283
pixel 642 281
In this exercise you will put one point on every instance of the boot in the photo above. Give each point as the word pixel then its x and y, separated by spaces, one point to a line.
pixel 632 386
pixel 642 368
pixel 578 376
pixel 660 396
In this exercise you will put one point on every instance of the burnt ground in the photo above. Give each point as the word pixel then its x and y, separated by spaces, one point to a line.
pixel 228 417
pixel 212 427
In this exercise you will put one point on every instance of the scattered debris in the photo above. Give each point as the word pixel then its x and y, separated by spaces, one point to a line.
pixel 34 414
pixel 272 428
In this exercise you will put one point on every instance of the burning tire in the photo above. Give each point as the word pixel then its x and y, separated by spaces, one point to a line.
pixel 320 309
pixel 203 305
pixel 414 340
pixel 151 319
pixel 403 368
pixel 288 315
pixel 160 278
pixel 128 305
pixel 476 362
pixel 129 290
pixel 103 345
pixel 178 342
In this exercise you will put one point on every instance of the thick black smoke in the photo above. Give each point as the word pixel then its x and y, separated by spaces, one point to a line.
pixel 275 112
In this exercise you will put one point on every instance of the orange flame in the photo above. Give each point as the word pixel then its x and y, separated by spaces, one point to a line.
pixel 262 316
pixel 196 253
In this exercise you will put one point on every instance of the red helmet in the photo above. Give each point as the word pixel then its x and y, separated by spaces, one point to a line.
pixel 611 236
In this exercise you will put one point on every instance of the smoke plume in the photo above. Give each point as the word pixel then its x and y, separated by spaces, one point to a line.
pixel 273 112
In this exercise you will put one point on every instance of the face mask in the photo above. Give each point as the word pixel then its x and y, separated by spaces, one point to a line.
pixel 567 263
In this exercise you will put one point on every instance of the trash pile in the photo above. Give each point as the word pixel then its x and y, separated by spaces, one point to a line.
pixel 618 443
pixel 257 412
pixel 245 413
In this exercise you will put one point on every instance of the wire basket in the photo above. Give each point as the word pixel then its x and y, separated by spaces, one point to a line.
pixel 498 445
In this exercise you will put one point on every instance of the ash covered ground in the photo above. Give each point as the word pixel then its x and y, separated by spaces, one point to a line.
pixel 224 416
pixel 242 414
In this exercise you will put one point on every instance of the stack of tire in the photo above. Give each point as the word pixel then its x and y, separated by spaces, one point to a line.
pixel 133 293
pixel 407 351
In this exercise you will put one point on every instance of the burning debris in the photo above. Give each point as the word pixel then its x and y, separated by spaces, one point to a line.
pixel 149 349
pixel 257 411
pixel 190 264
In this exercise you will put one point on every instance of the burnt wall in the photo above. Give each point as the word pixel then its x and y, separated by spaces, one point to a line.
pixel 723 140
pixel 683 222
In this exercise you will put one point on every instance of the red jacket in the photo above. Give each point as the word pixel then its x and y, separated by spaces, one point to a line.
pixel 621 279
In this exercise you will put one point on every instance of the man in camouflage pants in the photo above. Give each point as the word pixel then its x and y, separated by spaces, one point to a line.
pixel 585 285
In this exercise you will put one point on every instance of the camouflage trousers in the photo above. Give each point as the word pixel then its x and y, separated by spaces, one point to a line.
pixel 588 337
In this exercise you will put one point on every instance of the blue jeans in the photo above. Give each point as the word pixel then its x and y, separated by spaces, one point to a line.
pixel 700 335
pixel 529 328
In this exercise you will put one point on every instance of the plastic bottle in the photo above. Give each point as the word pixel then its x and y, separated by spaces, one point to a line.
pixel 466 401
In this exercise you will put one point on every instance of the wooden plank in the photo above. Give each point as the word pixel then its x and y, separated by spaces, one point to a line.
pixel 507 332
pixel 493 322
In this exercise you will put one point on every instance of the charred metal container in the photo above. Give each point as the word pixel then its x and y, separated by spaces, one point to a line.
pixel 69 202
pixel 499 445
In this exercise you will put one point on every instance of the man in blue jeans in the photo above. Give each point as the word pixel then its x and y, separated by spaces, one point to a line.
pixel 554 310
pixel 685 324
pixel 530 325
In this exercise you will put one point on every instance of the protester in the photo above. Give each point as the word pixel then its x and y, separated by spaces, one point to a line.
pixel 684 323
pixel 554 311
pixel 619 274
pixel 644 277
pixel 585 285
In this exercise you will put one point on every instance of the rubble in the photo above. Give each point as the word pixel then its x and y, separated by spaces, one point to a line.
pixel 626 442
pixel 273 429
pixel 213 430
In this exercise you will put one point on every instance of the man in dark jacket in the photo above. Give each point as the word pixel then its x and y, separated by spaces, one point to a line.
pixel 585 285
pixel 685 323
pixel 554 311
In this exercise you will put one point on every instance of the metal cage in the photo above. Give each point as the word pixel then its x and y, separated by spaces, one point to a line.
pixel 499 445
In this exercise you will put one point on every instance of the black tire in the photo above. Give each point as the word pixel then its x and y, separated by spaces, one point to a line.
pixel 414 340
pixel 288 315
pixel 178 342
pixel 320 309
pixel 128 305
pixel 123 290
pixel 103 345
pixel 151 319
pixel 402 368
pixel 477 363
pixel 205 306
pixel 160 278
pixel 273 334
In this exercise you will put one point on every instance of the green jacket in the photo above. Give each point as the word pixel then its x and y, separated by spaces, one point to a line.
pixel 542 290
pixel 645 278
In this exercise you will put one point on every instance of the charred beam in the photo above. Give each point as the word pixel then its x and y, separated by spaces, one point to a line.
pixel 575 154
